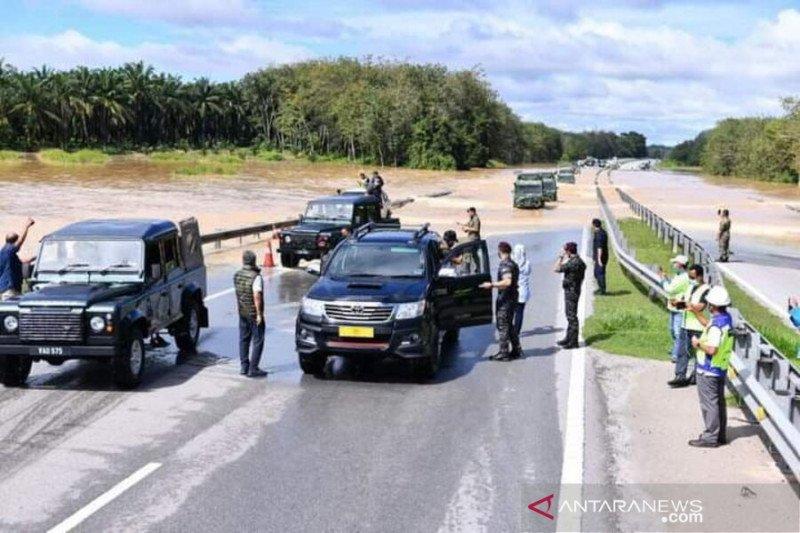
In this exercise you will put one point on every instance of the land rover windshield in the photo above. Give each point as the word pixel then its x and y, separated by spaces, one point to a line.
pixel 98 257
pixel 377 260
pixel 329 211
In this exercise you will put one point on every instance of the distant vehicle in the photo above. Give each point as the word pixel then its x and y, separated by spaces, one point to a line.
pixel 529 190
pixel 565 175
pixel 388 293
pixel 601 163
pixel 550 188
pixel 319 228
pixel 98 289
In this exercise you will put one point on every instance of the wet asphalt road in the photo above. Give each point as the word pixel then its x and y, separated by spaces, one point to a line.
pixel 293 452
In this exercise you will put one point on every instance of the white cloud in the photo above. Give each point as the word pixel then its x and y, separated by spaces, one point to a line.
pixel 189 12
pixel 221 58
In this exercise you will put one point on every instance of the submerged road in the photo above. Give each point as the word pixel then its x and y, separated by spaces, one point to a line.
pixel 199 448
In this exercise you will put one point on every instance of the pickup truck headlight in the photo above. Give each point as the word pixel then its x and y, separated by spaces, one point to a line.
pixel 313 307
pixel 98 324
pixel 410 310
pixel 10 323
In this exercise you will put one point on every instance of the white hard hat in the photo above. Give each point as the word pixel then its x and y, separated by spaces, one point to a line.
pixel 682 259
pixel 718 297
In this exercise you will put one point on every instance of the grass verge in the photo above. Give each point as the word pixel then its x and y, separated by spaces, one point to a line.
pixel 85 156
pixel 10 156
pixel 625 321
pixel 649 249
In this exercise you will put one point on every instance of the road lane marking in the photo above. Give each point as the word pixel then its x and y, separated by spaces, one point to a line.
pixel 572 463
pixel 219 294
pixel 105 498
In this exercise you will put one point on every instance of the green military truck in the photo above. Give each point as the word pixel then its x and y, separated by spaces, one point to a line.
pixel 529 190
pixel 550 187
pixel 565 175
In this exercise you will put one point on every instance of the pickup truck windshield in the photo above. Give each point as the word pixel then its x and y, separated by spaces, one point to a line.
pixel 529 186
pixel 62 256
pixel 329 211
pixel 377 260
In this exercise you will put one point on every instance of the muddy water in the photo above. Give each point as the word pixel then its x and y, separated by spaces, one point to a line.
pixel 130 187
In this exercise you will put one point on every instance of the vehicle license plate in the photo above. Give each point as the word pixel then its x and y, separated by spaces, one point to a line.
pixel 49 350
pixel 356 331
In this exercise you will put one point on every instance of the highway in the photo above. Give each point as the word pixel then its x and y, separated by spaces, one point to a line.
pixel 199 448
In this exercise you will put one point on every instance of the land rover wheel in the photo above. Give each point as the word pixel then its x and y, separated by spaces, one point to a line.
pixel 425 367
pixel 311 364
pixel 129 363
pixel 14 370
pixel 289 260
pixel 188 331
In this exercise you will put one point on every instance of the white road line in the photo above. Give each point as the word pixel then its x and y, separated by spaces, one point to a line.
pixel 218 294
pixel 105 498
pixel 572 464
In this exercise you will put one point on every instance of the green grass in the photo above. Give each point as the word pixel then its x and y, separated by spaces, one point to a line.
pixel 625 321
pixel 197 163
pixel 198 168
pixel 649 250
pixel 669 164
pixel 10 156
pixel 84 156
pixel 772 327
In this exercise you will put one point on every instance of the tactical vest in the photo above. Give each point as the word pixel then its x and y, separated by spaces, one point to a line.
pixel 243 283
pixel 694 296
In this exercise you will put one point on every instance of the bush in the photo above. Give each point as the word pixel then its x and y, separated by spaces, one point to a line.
pixel 85 156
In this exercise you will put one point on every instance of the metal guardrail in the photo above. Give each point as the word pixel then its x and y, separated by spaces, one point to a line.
pixel 763 377
pixel 239 233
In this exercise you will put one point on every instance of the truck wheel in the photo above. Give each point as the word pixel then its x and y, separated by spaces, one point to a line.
pixel 129 363
pixel 188 331
pixel 451 336
pixel 14 370
pixel 425 367
pixel 311 364
pixel 289 260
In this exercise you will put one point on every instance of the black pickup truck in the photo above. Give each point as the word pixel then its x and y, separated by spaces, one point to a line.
pixel 99 288
pixel 320 227
pixel 388 293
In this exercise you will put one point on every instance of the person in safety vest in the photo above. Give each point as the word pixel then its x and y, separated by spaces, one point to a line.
pixel 676 288
pixel 713 348
pixel 693 300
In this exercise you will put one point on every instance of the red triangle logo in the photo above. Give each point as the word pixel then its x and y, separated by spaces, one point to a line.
pixel 544 512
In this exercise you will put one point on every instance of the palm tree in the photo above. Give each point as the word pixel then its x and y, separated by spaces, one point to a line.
pixel 206 104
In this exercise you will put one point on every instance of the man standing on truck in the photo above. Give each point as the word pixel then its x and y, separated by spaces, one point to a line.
pixel 249 287
pixel 11 264
pixel 375 187
pixel 507 296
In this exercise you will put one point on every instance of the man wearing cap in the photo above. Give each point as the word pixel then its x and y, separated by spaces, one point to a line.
pixel 574 270
pixel 694 301
pixel 714 348
pixel 473 226
pixel 250 300
pixel 507 295
pixel 676 290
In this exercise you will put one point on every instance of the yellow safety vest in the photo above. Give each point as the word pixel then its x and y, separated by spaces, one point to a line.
pixel 694 295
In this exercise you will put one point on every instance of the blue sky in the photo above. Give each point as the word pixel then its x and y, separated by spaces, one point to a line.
pixel 666 68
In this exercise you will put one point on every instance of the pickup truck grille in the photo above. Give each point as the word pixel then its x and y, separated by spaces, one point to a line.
pixel 50 325
pixel 358 312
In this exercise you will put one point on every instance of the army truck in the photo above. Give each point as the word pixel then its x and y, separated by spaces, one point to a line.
pixel 99 288
pixel 320 227
pixel 565 175
pixel 529 190
pixel 550 187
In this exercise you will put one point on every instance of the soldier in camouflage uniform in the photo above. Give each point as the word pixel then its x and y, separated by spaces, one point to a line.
pixel 507 295
pixel 250 300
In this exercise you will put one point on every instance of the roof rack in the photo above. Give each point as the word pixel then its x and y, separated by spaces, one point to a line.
pixel 362 230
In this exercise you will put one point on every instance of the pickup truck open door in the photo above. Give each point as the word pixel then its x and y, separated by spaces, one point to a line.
pixel 460 302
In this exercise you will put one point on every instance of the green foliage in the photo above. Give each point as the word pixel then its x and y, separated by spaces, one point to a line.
pixel 79 157
pixel 10 156
pixel 649 249
pixel 544 143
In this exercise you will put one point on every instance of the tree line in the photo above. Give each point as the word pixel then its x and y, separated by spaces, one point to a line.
pixel 753 147
pixel 382 112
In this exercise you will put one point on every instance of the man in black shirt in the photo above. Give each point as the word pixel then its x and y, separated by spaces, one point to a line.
pixel 599 255
pixel 506 285
pixel 574 269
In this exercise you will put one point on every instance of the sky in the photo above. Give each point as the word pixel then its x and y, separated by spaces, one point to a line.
pixel 668 69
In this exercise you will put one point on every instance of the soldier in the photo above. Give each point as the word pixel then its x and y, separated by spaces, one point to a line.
pixel 574 269
pixel 250 300
pixel 375 187
pixel 506 284
pixel 724 235
pixel 473 226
